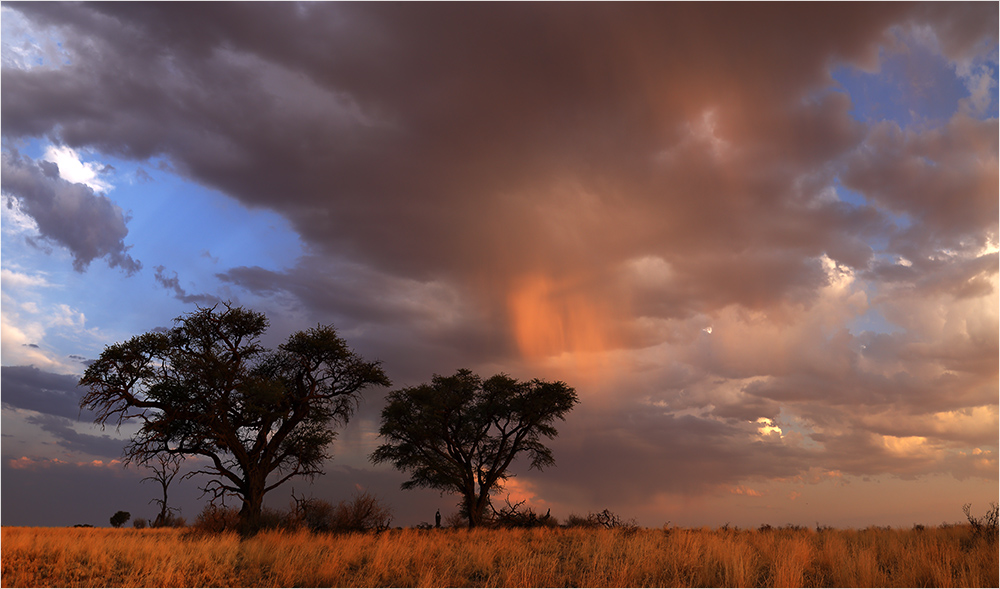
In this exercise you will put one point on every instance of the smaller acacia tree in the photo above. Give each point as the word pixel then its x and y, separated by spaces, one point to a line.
pixel 119 518
pixel 460 433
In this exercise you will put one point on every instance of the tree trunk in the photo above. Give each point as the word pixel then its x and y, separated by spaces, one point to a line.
pixel 253 504
pixel 161 520
pixel 476 506
pixel 470 510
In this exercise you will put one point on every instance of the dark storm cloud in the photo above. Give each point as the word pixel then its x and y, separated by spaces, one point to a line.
pixel 416 328
pixel 426 127
pixel 941 178
pixel 73 441
pixel 669 453
pixel 422 140
pixel 68 214
pixel 56 398
pixel 27 387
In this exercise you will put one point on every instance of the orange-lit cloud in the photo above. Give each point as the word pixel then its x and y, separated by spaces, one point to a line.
pixel 549 319
pixel 516 490
pixel 741 490
pixel 25 462
pixel 556 318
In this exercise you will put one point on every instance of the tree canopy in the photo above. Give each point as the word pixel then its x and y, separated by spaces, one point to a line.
pixel 461 433
pixel 208 388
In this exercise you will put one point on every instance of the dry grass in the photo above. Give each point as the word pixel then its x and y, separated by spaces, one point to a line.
pixel 941 557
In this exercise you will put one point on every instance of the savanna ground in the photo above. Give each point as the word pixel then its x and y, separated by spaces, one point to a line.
pixel 945 556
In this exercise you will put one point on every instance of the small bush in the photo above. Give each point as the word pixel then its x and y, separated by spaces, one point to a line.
pixel 316 515
pixel 139 523
pixel 364 513
pixel 512 516
pixel 217 519
pixel 985 526
pixel 170 521
pixel 604 519
pixel 578 521
pixel 275 519
pixel 456 520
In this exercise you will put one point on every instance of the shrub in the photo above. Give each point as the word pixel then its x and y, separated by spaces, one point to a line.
pixel 512 516
pixel 603 519
pixel 275 519
pixel 316 515
pixel 362 514
pixel 217 519
pixel 578 521
pixel 456 520
pixel 985 526
pixel 139 523
pixel 611 521
pixel 170 521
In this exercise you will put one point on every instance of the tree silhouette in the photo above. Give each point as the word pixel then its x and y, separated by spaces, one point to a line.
pixel 460 434
pixel 164 470
pixel 119 518
pixel 208 388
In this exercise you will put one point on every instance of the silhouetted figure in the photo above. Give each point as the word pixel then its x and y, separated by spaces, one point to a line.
pixel 437 519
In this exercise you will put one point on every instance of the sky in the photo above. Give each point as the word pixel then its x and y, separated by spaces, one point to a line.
pixel 759 240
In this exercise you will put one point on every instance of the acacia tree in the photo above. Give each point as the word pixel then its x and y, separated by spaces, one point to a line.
pixel 119 518
pixel 460 433
pixel 208 388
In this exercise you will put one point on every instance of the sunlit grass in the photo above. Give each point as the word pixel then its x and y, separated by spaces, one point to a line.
pixel 940 557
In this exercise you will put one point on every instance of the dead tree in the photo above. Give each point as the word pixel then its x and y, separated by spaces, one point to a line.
pixel 166 468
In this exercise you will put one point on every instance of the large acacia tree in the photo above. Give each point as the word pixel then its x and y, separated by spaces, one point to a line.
pixel 208 388
pixel 461 433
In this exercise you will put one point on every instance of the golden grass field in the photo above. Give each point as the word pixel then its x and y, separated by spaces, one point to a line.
pixel 947 556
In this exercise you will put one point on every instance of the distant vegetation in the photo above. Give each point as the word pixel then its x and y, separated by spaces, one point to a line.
pixel 119 518
pixel 947 555
pixel 363 513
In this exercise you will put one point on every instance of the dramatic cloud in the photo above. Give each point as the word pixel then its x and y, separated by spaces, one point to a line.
pixel 761 240
pixel 27 387
pixel 73 441
pixel 69 214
